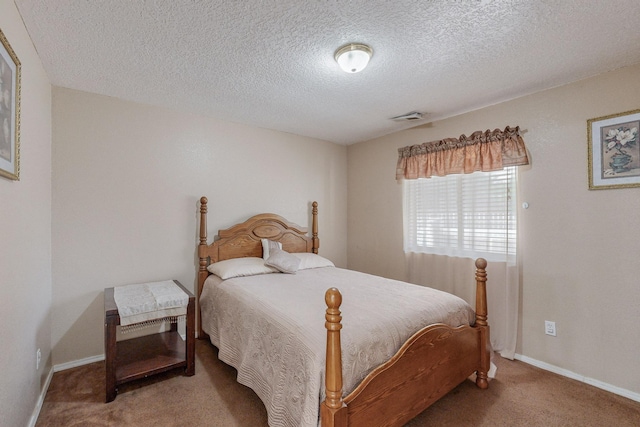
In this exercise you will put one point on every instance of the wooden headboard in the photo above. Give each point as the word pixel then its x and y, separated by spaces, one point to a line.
pixel 244 240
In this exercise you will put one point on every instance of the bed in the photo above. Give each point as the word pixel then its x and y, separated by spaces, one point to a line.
pixel 294 363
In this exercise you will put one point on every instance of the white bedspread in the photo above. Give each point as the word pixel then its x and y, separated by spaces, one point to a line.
pixel 271 329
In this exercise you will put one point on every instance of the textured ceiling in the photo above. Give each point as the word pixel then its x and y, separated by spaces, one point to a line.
pixel 270 63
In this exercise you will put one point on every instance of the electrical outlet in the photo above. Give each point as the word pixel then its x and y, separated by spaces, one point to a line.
pixel 38 358
pixel 550 328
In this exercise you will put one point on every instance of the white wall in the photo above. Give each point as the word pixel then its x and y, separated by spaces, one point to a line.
pixel 126 183
pixel 579 247
pixel 25 239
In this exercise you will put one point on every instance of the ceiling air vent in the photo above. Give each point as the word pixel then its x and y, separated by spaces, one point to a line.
pixel 414 115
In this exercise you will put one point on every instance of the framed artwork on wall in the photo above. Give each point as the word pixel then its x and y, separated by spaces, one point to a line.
pixel 9 111
pixel 614 151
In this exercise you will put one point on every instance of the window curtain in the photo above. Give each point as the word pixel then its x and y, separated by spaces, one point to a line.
pixel 482 151
pixel 457 276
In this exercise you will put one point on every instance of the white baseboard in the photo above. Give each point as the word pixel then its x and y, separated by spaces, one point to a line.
pixel 76 363
pixel 569 374
pixel 43 393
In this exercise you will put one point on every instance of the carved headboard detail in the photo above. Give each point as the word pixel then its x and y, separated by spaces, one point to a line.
pixel 243 240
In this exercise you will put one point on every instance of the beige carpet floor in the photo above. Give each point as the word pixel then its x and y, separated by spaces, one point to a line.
pixel 520 395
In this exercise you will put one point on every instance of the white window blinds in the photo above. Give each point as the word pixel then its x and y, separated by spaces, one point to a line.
pixel 464 215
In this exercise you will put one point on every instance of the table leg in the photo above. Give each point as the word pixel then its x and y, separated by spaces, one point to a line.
pixel 110 356
pixel 190 330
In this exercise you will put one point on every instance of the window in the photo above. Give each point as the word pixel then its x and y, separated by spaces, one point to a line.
pixel 466 215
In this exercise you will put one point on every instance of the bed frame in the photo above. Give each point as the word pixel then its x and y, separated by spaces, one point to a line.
pixel 429 365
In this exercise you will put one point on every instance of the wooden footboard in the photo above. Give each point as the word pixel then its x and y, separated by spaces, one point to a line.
pixel 429 365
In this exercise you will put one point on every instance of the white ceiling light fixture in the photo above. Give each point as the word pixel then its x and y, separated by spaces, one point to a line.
pixel 353 57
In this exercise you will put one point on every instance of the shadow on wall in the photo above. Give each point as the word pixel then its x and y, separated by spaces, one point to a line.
pixel 90 323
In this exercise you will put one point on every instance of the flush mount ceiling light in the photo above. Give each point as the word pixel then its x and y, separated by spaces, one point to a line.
pixel 353 57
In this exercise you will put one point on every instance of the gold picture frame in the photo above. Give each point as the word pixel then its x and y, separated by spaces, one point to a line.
pixel 614 151
pixel 9 111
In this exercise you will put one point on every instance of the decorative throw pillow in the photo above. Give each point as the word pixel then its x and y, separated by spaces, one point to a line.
pixel 268 246
pixel 311 260
pixel 236 267
pixel 283 261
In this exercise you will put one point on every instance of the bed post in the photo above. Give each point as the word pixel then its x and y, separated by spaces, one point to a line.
pixel 333 411
pixel 481 322
pixel 202 269
pixel 315 241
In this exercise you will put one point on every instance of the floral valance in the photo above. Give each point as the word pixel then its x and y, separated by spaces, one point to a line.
pixel 482 151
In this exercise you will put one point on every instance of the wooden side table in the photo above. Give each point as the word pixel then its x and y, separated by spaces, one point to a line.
pixel 138 358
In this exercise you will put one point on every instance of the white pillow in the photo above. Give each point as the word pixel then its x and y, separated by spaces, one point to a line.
pixel 283 261
pixel 268 246
pixel 311 260
pixel 248 266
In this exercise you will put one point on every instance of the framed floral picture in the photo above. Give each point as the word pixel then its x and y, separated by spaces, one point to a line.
pixel 614 151
pixel 9 111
